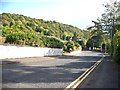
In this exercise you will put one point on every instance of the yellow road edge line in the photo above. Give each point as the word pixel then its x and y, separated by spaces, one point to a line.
pixel 79 80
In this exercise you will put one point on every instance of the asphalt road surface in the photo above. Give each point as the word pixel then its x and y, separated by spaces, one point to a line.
pixel 47 72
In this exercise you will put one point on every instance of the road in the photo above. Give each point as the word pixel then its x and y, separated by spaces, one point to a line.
pixel 47 72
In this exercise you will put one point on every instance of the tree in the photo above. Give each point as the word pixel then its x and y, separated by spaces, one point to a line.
pixel 109 18
pixel 74 38
pixel 111 22
pixel 116 46
pixel 97 35
pixel 95 42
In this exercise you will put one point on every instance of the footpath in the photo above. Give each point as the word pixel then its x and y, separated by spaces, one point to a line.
pixel 105 76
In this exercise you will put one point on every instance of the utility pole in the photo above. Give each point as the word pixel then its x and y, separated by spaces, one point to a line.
pixel 112 33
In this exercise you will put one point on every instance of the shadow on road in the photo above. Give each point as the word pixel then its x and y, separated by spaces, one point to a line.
pixel 21 73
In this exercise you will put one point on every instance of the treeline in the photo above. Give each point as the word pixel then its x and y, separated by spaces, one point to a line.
pixel 106 31
pixel 23 30
pixel 111 19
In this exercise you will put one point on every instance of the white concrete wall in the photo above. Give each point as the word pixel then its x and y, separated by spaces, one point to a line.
pixel 74 52
pixel 20 52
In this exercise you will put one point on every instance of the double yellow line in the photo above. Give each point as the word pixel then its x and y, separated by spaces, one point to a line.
pixel 79 80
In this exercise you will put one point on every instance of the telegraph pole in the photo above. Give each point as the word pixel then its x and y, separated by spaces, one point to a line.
pixel 112 32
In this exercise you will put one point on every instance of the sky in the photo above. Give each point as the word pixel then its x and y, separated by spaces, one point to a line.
pixel 78 13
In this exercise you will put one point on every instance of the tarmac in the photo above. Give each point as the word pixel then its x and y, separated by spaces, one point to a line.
pixel 105 76
pixel 33 59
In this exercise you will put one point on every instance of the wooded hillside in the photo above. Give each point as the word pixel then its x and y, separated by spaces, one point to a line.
pixel 23 30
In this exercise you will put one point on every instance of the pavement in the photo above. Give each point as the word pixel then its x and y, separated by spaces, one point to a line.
pixel 105 76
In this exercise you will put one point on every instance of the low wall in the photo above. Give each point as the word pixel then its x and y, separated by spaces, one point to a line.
pixel 74 52
pixel 21 52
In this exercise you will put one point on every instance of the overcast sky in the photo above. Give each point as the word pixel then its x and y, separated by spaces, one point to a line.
pixel 78 13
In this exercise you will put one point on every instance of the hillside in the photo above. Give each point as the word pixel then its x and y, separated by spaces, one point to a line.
pixel 20 29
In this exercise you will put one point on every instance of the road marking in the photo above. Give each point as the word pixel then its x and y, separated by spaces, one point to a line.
pixel 79 80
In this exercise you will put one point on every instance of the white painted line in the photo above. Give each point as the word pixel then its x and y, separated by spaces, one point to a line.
pixel 79 80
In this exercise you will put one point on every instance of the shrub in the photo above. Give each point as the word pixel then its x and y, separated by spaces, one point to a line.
pixel 116 47
pixel 108 47
pixel 116 54
pixel 69 46
pixel 82 44
pixel 22 38
pixel 77 45
pixel 2 39
pixel 65 48
pixel 52 42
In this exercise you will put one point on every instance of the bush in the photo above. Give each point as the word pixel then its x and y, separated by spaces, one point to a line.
pixel 65 48
pixel 116 47
pixel 108 47
pixel 77 46
pixel 89 44
pixel 69 46
pixel 2 39
pixel 116 54
pixel 52 42
pixel 22 38
pixel 82 44
pixel 11 38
